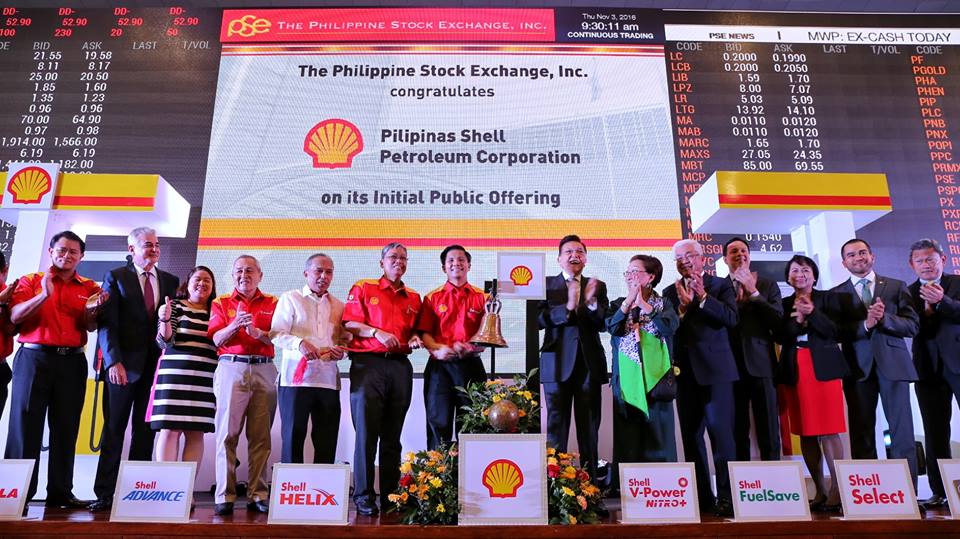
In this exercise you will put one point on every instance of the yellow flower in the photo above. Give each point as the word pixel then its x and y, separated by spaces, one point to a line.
pixel 441 508
pixel 406 468
pixel 527 395
pixel 567 491
pixel 431 463
pixel 410 456
pixel 497 398
pixel 494 382
pixel 393 498
pixel 572 519
pixel 551 451
pixel 582 501
pixel 589 489
pixel 569 473
pixel 533 403
pixel 436 482
pixel 434 455
pixel 441 468
pixel 552 460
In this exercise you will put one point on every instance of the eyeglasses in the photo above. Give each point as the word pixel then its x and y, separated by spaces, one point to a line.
pixel 634 273
pixel 395 258
pixel 930 260
pixel 61 251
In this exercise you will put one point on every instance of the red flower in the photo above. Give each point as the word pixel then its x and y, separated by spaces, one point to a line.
pixel 406 480
pixel 553 470
pixel 583 476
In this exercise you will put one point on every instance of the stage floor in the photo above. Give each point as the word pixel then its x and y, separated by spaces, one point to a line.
pixel 42 522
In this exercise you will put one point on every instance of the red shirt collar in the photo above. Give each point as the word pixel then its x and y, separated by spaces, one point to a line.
pixel 238 297
pixel 385 284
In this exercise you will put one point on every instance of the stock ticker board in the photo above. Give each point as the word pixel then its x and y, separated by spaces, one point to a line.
pixel 132 90
pixel 122 90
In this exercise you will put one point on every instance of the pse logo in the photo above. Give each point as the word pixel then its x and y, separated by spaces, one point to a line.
pixel 248 26
pixel 333 144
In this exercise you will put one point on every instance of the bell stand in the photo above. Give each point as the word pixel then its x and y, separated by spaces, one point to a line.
pixel 493 349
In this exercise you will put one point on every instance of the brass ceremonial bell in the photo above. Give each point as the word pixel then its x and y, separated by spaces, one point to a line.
pixel 489 334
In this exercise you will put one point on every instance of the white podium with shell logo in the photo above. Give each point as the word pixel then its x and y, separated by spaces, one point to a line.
pixel 41 201
pixel 502 479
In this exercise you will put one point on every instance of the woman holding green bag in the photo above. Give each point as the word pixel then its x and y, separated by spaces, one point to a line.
pixel 642 327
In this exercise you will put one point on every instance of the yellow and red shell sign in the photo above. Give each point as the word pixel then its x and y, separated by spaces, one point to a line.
pixel 333 144
pixel 29 185
pixel 521 276
pixel 503 478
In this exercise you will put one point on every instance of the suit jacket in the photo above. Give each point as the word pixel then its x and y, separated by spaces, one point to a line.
pixel 823 340
pixel 566 332
pixel 884 344
pixel 702 342
pixel 939 339
pixel 752 339
pixel 127 332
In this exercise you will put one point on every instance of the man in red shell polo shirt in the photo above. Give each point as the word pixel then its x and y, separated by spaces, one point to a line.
pixel 450 317
pixel 244 384
pixel 381 313
pixel 7 331
pixel 50 368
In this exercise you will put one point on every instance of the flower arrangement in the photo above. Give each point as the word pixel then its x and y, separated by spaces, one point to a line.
pixel 571 497
pixel 427 493
pixel 484 395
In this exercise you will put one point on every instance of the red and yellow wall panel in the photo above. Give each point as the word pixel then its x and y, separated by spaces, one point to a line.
pixel 305 234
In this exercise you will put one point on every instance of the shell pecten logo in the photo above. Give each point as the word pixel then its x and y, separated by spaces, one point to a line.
pixel 248 26
pixel 521 276
pixel 333 144
pixel 29 185
pixel 502 478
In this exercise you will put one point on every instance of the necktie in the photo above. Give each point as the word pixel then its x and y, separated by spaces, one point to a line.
pixel 865 294
pixel 741 295
pixel 148 300
pixel 576 283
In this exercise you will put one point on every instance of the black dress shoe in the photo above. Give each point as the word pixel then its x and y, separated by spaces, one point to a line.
pixel 258 506
pixel 367 508
pixel 223 509
pixel 832 508
pixel 67 503
pixel 723 509
pixel 103 504
pixel 934 502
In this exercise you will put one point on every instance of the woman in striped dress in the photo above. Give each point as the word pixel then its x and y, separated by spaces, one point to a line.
pixel 183 403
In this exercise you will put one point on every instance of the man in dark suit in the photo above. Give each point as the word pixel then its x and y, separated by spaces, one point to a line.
pixel 127 338
pixel 707 306
pixel 936 354
pixel 572 363
pixel 876 314
pixel 760 310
